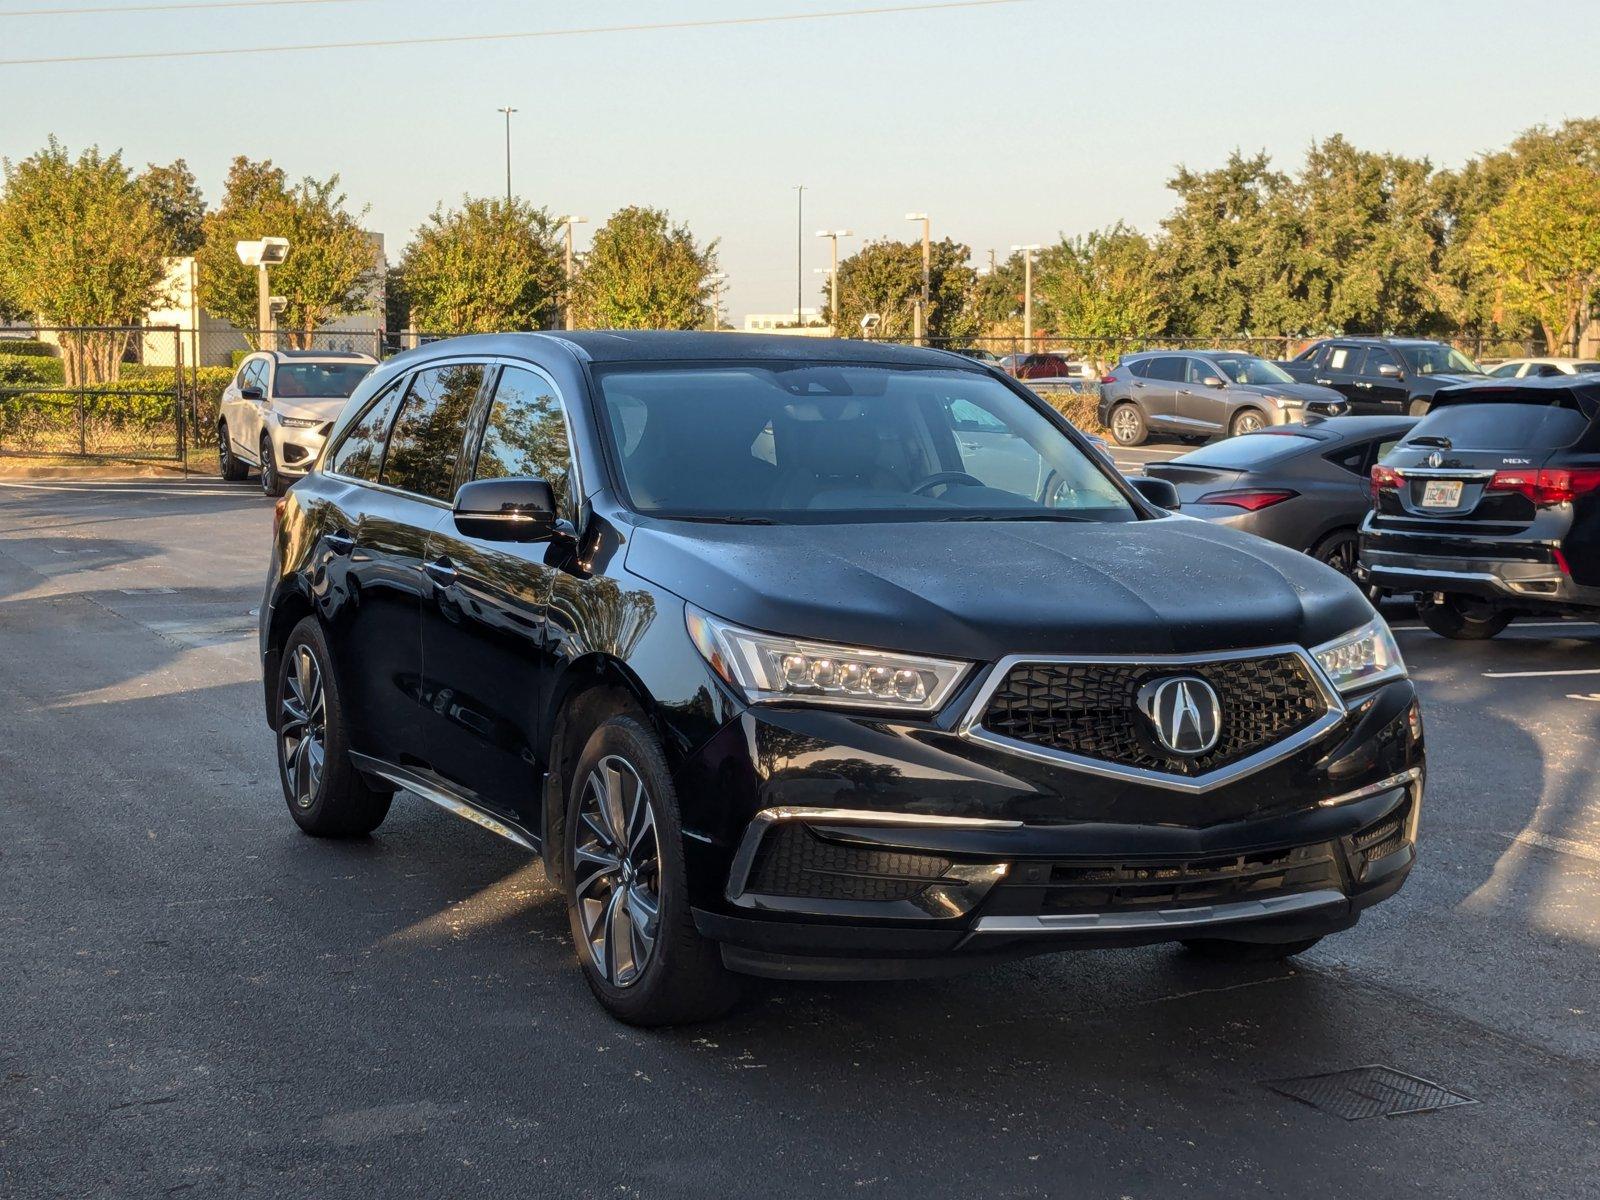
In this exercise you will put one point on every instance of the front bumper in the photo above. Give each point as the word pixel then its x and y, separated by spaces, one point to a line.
pixel 877 850
pixel 297 448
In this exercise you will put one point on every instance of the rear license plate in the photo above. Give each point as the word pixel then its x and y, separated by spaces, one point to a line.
pixel 1441 493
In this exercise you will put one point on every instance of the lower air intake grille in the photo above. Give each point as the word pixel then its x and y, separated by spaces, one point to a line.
pixel 1091 709
pixel 793 861
pixel 1136 884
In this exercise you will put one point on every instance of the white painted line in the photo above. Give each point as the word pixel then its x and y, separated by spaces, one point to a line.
pixel 125 489
pixel 1595 696
pixel 1537 674
pixel 1516 625
pixel 1559 844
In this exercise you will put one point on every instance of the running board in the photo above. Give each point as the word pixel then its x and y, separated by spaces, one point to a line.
pixel 445 798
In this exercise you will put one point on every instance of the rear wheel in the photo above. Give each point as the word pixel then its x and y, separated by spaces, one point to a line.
pixel 627 896
pixel 1246 420
pixel 1127 425
pixel 327 796
pixel 231 466
pixel 1462 618
pixel 1222 950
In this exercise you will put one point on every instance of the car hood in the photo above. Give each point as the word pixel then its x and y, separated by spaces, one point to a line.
pixel 1307 392
pixel 307 408
pixel 980 591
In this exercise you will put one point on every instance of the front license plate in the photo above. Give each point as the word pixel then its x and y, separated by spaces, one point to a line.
pixel 1441 493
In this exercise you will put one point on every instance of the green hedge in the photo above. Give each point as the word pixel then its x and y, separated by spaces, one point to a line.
pixel 23 371
pixel 28 348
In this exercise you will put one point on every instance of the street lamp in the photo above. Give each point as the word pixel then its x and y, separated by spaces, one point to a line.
pixel 714 281
pixel 833 235
pixel 261 254
pixel 569 222
pixel 508 112
pixel 1027 253
pixel 921 314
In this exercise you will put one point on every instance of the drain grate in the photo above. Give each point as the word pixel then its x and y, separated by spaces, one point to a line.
pixel 1363 1092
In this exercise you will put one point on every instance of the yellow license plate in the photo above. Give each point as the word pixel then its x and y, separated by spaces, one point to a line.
pixel 1441 493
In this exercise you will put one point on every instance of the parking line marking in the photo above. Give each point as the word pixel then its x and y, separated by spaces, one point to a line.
pixel 1559 844
pixel 1515 625
pixel 1537 674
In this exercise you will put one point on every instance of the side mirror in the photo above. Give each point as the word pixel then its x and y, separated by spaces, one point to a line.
pixel 1159 492
pixel 506 510
pixel 1388 371
pixel 1214 381
pixel 252 393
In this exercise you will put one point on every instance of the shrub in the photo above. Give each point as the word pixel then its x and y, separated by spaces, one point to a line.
pixel 1081 408
pixel 28 348
pixel 25 371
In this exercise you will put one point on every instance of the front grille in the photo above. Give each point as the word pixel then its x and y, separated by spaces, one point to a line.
pixel 1091 709
pixel 793 861
pixel 1115 886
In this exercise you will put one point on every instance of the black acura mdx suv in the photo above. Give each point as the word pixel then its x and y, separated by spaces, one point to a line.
pixel 822 659
pixel 1490 506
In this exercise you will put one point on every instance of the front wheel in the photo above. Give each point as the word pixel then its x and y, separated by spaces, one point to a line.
pixel 1128 425
pixel 271 477
pixel 1246 420
pixel 627 896
pixel 1461 618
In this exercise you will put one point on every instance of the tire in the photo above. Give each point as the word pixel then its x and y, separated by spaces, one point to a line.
pixel 1222 950
pixel 1340 550
pixel 232 468
pixel 1461 618
pixel 1128 425
pixel 271 477
pixel 1246 420
pixel 330 798
pixel 621 796
pixel 1418 408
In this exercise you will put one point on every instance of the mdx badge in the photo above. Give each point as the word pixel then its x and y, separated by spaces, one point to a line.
pixel 1184 711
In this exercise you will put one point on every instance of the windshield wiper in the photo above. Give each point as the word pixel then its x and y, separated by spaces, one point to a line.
pixel 729 519
pixel 1022 516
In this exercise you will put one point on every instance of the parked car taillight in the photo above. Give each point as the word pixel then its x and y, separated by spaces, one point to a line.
pixel 1105 379
pixel 1547 487
pixel 1250 501
pixel 1383 477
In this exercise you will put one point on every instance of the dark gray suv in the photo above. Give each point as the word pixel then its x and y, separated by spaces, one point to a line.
pixel 1205 393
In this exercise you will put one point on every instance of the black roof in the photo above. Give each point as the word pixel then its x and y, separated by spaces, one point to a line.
pixel 659 345
pixel 1129 357
pixel 1578 391
pixel 1381 341
pixel 1337 429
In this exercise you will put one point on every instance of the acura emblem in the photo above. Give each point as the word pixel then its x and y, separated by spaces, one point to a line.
pixel 1436 459
pixel 1184 712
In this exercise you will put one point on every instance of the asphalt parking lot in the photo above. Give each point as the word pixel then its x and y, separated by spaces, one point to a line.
pixel 195 999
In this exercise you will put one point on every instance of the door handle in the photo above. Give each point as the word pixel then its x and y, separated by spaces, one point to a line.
pixel 339 541
pixel 442 571
pixel 1322 381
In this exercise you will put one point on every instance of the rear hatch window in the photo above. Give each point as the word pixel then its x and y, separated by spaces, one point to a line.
pixel 1248 451
pixel 1503 426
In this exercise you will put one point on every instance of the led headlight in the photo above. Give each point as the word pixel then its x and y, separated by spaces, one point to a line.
pixel 299 422
pixel 1359 659
pixel 766 667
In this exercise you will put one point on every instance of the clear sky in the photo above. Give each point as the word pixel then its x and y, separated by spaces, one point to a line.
pixel 1008 124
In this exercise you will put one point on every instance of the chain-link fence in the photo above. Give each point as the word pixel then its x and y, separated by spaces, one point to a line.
pixel 103 392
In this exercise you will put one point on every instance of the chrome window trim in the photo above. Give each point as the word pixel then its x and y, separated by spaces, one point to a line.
pixel 745 857
pixel 971 725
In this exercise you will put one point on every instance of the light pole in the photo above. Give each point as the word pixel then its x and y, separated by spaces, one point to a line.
pixel 799 250
pixel 714 281
pixel 261 254
pixel 569 222
pixel 833 235
pixel 508 112
pixel 1027 253
pixel 921 315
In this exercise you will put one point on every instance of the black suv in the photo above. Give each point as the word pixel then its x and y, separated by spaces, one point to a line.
pixel 1384 375
pixel 822 659
pixel 1490 506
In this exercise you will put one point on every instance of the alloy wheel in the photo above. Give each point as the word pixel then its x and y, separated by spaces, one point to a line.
pixel 1248 423
pixel 1125 424
pixel 269 468
pixel 1341 556
pixel 303 726
pixel 617 871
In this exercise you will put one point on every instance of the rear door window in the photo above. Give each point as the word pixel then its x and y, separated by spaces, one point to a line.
pixel 1170 367
pixel 430 431
pixel 1503 426
pixel 1344 358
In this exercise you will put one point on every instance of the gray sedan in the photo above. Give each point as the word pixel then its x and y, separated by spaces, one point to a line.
pixel 1205 393
pixel 1304 486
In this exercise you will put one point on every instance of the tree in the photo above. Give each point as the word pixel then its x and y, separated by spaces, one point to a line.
pixel 643 272
pixel 484 267
pixel 176 196
pixel 1102 289
pixel 332 266
pixel 81 245
pixel 1543 243
pixel 885 277
pixel 997 298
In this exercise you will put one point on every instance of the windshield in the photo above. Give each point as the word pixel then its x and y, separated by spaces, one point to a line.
pixel 1247 368
pixel 318 381
pixel 1437 360
pixel 827 442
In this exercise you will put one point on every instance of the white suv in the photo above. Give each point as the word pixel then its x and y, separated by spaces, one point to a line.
pixel 278 409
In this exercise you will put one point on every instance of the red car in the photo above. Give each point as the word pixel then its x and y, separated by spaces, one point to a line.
pixel 1038 366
